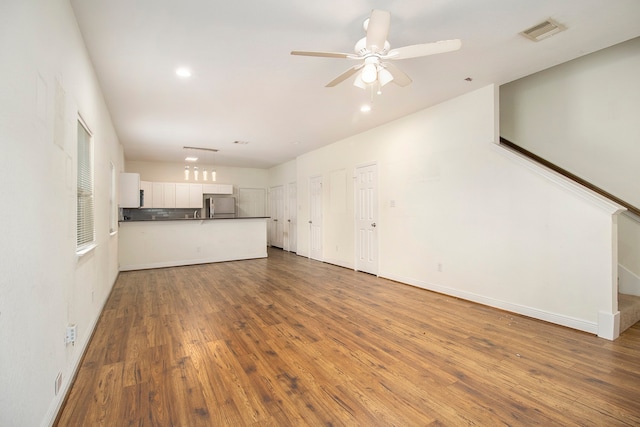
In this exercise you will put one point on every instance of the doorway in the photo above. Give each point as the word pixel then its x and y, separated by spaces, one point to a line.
pixel 366 219
pixel 276 211
pixel 291 213
pixel 315 218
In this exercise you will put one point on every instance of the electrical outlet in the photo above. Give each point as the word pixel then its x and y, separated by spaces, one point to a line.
pixel 440 267
pixel 72 331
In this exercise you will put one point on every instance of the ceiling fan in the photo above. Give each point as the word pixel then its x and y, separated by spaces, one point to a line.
pixel 374 52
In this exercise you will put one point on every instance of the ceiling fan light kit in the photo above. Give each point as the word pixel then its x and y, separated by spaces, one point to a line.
pixel 369 71
pixel 374 48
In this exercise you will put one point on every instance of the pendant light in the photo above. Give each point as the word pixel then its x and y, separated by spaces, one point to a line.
pixel 195 169
pixel 213 171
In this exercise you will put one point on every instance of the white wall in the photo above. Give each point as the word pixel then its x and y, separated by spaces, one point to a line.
pixel 43 287
pixel 583 116
pixel 283 174
pixel 506 232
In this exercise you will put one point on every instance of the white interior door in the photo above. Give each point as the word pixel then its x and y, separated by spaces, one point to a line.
pixel 276 228
pixel 366 219
pixel 315 218
pixel 291 236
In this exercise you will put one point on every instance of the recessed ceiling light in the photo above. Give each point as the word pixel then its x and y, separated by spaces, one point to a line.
pixel 183 72
pixel 365 108
pixel 191 159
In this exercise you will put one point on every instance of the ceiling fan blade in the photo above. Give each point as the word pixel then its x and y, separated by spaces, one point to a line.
pixel 323 54
pixel 344 76
pixel 399 77
pixel 378 30
pixel 424 49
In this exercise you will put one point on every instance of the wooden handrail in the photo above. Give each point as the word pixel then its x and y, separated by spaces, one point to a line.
pixel 566 173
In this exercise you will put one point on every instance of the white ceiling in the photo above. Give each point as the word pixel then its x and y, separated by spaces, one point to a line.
pixel 246 86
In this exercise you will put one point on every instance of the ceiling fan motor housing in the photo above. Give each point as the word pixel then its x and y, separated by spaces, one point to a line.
pixel 361 47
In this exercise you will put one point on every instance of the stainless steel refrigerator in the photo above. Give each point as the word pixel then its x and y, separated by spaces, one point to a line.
pixel 220 207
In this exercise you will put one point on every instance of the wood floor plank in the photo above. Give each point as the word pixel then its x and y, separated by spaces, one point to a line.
pixel 291 341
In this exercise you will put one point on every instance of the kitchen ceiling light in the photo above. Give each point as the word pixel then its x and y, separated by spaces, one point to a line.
pixel 191 158
pixel 365 108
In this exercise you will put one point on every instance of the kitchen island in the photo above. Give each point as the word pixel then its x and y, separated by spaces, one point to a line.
pixel 147 244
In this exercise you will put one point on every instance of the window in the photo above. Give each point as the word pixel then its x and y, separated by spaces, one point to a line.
pixel 85 230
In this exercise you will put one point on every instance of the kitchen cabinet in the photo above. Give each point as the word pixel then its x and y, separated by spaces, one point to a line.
pixel 169 195
pixel 182 195
pixel 147 199
pixel 158 195
pixel 195 196
pixel 217 188
pixel 169 190
pixel 129 194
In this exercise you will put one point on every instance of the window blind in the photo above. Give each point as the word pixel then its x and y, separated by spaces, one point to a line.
pixel 85 230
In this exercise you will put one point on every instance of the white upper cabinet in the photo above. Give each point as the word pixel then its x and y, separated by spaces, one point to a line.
pixel 129 194
pixel 195 196
pixel 158 195
pixel 182 195
pixel 169 190
pixel 217 188
pixel 169 194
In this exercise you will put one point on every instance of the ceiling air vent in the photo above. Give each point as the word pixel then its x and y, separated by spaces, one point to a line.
pixel 543 30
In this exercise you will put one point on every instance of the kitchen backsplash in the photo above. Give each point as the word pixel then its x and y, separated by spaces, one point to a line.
pixel 146 214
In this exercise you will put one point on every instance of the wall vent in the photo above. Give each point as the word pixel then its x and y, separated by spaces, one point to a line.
pixel 543 30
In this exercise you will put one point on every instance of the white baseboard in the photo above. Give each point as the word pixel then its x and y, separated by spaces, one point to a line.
pixel 558 319
pixel 609 325
pixel 628 282
pixel 339 263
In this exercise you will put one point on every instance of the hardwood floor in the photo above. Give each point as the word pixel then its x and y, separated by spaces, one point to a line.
pixel 288 341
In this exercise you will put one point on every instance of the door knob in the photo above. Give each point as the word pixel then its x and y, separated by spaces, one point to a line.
pixel 310 222
pixel 373 225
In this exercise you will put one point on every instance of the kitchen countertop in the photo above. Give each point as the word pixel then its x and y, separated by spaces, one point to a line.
pixel 192 219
